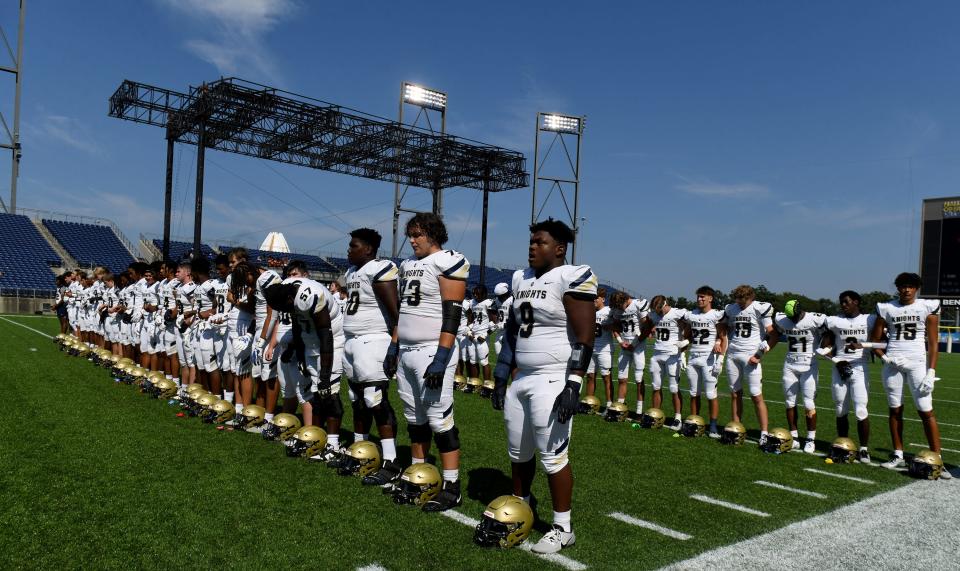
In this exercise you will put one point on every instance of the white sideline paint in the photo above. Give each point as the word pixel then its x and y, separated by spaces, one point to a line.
pixel 950 439
pixel 26 327
pixel 372 567
pixel 817 495
pixel 650 525
pixel 561 560
pixel 942 449
pixel 729 505
pixel 841 476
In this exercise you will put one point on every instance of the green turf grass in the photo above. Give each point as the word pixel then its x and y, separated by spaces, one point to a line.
pixel 96 475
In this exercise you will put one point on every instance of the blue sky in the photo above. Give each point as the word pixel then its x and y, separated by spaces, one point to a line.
pixel 787 144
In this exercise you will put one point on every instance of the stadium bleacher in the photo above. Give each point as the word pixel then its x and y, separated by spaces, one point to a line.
pixel 25 256
pixel 280 259
pixel 90 244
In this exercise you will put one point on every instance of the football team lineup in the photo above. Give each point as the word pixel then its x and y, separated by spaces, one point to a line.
pixel 250 331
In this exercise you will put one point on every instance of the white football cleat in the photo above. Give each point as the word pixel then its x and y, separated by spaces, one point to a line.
pixel 894 463
pixel 810 447
pixel 554 540
pixel 945 474
pixel 796 444
pixel 863 457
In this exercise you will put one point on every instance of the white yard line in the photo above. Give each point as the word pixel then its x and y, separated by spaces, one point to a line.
pixel 728 505
pixel 774 485
pixel 880 393
pixel 950 439
pixel 942 449
pixel 841 476
pixel 372 567
pixel 650 525
pixel 561 560
pixel 27 327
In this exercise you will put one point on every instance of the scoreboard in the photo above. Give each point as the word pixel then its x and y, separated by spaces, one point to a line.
pixel 940 249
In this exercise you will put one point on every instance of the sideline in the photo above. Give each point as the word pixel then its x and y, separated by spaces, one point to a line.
pixel 27 327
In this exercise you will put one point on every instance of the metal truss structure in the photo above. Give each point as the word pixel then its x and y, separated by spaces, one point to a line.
pixel 562 128
pixel 246 118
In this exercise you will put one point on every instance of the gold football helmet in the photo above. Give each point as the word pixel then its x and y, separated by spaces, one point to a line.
pixel 506 523
pixel 191 403
pixel 652 418
pixel 927 464
pixel 252 416
pixel 473 385
pixel 459 382
pixel 283 426
pixel 308 441
pixel 733 433
pixel 843 451
pixel 589 405
pixel 693 426
pixel 487 389
pixel 362 458
pixel 206 402
pixel 418 484
pixel 166 389
pixel 779 441
pixel 220 412
pixel 616 412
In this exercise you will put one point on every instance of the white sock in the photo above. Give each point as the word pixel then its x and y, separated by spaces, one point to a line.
pixel 176 381
pixel 416 460
pixel 268 417
pixel 451 475
pixel 811 435
pixel 357 437
pixel 863 449
pixel 763 433
pixel 639 406
pixel 677 416
pixel 562 519
pixel 239 408
pixel 333 440
pixel 898 454
pixel 389 446
pixel 621 401
pixel 608 404
pixel 227 396
pixel 795 434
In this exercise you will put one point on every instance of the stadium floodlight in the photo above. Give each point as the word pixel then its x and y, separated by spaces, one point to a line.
pixel 424 97
pixel 562 123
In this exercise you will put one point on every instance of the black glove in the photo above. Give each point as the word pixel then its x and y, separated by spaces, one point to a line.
pixel 567 402
pixel 499 392
pixel 845 369
pixel 390 361
pixel 324 383
pixel 168 317
pixel 433 377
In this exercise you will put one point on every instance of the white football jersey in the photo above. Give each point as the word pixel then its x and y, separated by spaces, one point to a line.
pixel 747 326
pixel 802 337
pixel 219 289
pixel 667 331
pixel 266 279
pixel 480 313
pixel 703 330
pixel 364 315
pixel 312 297
pixel 847 330
pixel 503 311
pixel 603 338
pixel 203 297
pixel 631 318
pixel 137 292
pixel 151 294
pixel 907 325
pixel 421 310
pixel 544 338
pixel 74 289
pixel 336 319
pixel 464 327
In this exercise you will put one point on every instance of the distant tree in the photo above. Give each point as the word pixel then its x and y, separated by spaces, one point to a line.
pixel 684 303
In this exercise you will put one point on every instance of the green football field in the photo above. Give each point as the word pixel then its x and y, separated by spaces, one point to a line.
pixel 96 475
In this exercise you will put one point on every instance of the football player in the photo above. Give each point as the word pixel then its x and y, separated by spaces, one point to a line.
pixel 602 358
pixel 501 306
pixel 135 306
pixel 479 318
pixel 264 371
pixel 70 295
pixel 748 322
pixel 708 344
pixel 279 343
pixel 670 341
pixel 182 313
pixel 909 327
pixel 630 313
pixel 549 340
pixel 204 306
pixel 240 323
pixel 168 329
pixel 847 333
pixel 148 330
pixel 802 330
pixel 63 283
pixel 373 306
pixel 422 353
pixel 309 355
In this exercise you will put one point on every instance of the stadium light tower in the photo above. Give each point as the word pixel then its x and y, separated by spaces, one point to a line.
pixel 16 69
pixel 426 100
pixel 558 129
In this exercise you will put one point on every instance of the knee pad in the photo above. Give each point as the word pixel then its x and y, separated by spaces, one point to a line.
pixel 861 412
pixel 842 409
pixel 789 400
pixel 555 461
pixel 674 385
pixel 383 414
pixel 374 394
pixel 810 411
pixel 484 362
pixel 810 405
pixel 712 393
pixel 419 432
pixel 448 441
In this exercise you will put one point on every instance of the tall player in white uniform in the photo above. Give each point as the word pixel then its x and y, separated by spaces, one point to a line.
pixel 801 330
pixel 602 358
pixel 748 321
pixel 549 341
pixel 708 344
pixel 910 356
pixel 669 329
pixel 373 306
pixel 501 306
pixel 423 351
pixel 149 331
pixel 847 333
pixel 263 371
pixel 182 312
pixel 630 314
pixel 480 318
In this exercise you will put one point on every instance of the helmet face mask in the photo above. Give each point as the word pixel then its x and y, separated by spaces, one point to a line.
pixel 926 465
pixel 843 451
pixel 362 458
pixel 283 427
pixel 616 412
pixel 589 405
pixel 779 441
pixel 307 441
pixel 251 416
pixel 486 390
pixel 693 426
pixel 473 385
pixel 460 382
pixel 418 484
pixel 734 433
pixel 652 418
pixel 506 523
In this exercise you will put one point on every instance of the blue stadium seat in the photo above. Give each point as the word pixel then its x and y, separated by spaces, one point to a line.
pixel 91 244
pixel 278 260
pixel 25 256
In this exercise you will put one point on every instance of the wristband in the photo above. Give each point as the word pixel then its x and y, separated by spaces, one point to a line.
pixel 683 344
pixel 873 345
pixel 884 358
pixel 572 378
